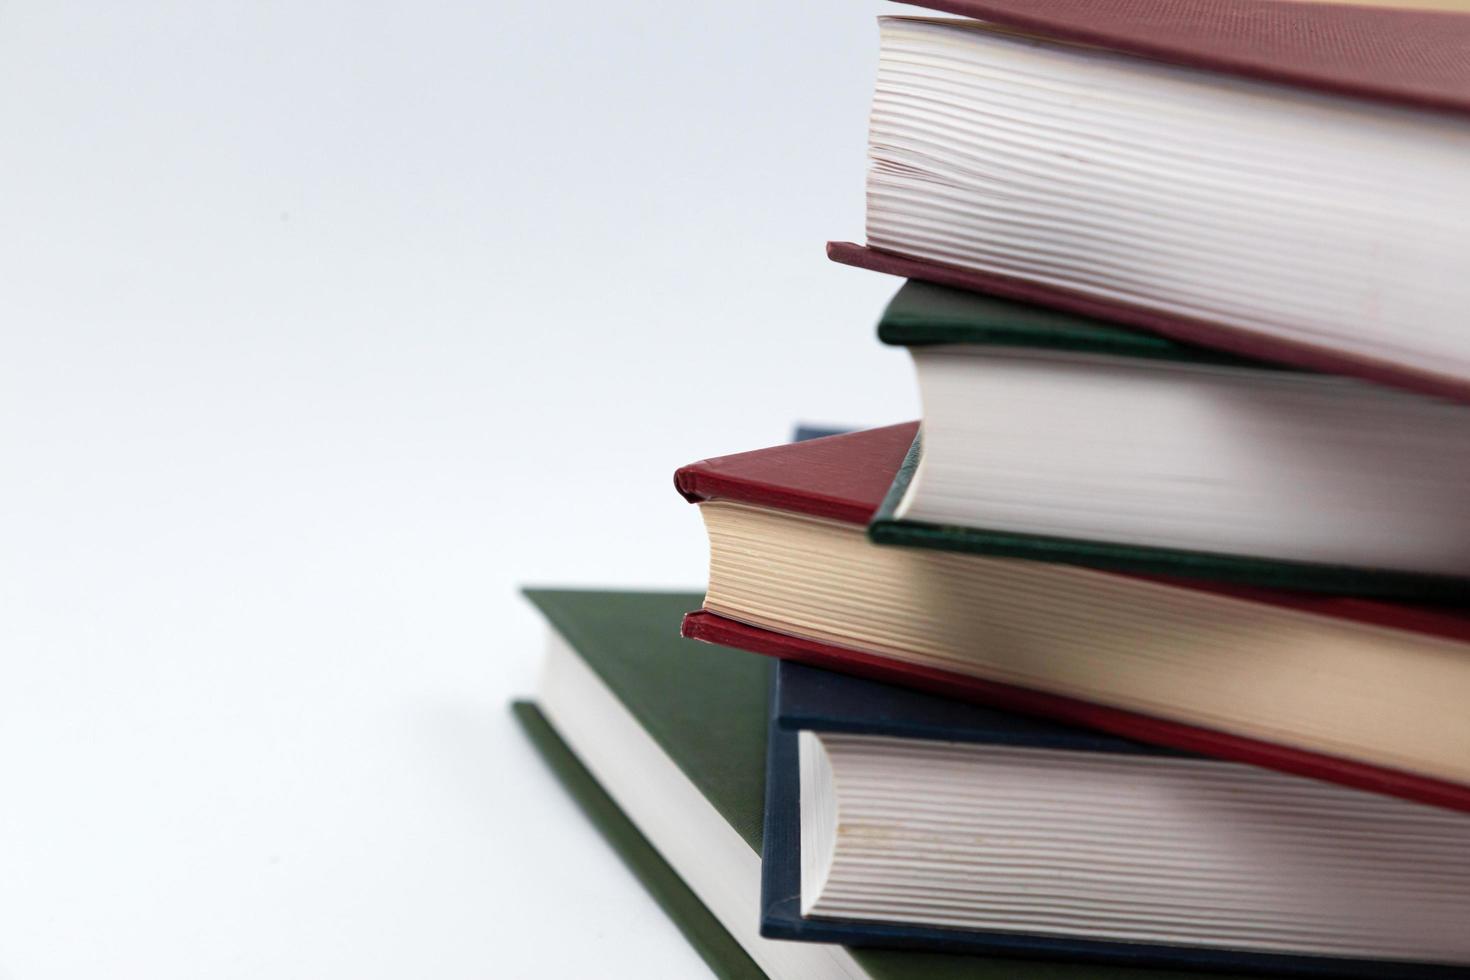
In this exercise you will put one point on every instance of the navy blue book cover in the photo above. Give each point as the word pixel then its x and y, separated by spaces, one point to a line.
pixel 805 698
pixel 804 431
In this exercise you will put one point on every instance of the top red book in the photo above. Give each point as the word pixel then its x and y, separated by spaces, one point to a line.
pixel 1283 180
pixel 1413 57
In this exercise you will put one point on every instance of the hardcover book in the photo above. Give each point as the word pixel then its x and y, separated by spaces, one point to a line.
pixel 1366 693
pixel 725 956
pixel 1057 437
pixel 1282 181
pixel 664 743
pixel 895 818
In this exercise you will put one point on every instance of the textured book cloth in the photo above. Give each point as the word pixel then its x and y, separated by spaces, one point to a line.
pixel 1390 54
pixel 996 642
pixel 915 778
pixel 707 712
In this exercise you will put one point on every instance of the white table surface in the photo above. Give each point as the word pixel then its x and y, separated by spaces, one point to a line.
pixel 326 325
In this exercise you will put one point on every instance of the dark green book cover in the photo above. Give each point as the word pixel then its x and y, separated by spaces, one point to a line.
pixel 706 707
pixel 922 314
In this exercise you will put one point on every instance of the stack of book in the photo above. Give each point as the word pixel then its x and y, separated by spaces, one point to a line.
pixel 1146 653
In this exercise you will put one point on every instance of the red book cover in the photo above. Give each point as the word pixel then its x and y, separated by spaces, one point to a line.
pixel 1393 54
pixel 845 478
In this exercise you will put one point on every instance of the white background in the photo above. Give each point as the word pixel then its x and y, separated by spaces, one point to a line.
pixel 326 325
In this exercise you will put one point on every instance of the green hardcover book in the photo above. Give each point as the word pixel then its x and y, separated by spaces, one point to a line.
pixel 726 957
pixel 662 741
pixel 1061 438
